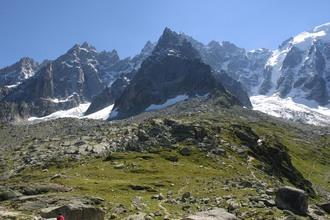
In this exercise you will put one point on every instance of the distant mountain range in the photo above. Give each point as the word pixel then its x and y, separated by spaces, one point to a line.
pixel 292 82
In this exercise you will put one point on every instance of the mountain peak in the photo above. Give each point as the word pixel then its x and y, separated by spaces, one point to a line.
pixel 323 27
pixel 167 30
pixel 87 46
pixel 168 38
pixel 174 44
pixel 148 47
pixel 83 47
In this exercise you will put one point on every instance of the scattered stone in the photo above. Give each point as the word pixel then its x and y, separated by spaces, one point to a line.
pixel 158 196
pixel 214 214
pixel 56 176
pixel 119 166
pixel 218 151
pixel 9 194
pixel 120 209
pixel 245 184
pixel 325 206
pixel 137 216
pixel 141 188
pixel 113 216
pixel 185 151
pixel 270 192
pixel 314 210
pixel 292 199
pixel 185 196
pixel 269 203
pixel 233 205
pixel 158 213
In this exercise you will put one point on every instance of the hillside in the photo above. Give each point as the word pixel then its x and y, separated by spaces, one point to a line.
pixel 167 164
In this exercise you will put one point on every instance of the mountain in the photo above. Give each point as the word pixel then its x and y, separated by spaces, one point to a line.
pixel 109 95
pixel 297 78
pixel 63 83
pixel 112 92
pixel 12 76
pixel 245 67
pixel 73 78
pixel 15 74
pixel 300 67
pixel 297 72
pixel 174 72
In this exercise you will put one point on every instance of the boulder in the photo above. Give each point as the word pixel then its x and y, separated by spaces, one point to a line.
pixel 214 214
pixel 185 196
pixel 74 212
pixel 292 199
pixel 41 189
pixel 325 206
pixel 185 151
pixel 9 194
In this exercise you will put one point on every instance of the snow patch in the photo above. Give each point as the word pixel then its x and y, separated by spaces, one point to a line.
pixel 77 112
pixel 103 114
pixel 169 102
pixel 288 108
pixel 56 100
pixel 12 86
pixel 304 40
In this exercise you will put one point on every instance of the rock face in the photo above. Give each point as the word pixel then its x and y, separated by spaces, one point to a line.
pixel 75 77
pixel 245 67
pixel 234 87
pixel 8 194
pixel 292 199
pixel 214 214
pixel 82 73
pixel 113 92
pixel 325 206
pixel 172 73
pixel 74 212
pixel 15 74
pixel 299 68
pixel 275 155
pixel 109 95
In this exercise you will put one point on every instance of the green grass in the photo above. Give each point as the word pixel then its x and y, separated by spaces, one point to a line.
pixel 202 175
pixel 199 174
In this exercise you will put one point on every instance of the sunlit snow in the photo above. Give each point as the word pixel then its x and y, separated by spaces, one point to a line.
pixel 169 102
pixel 77 112
pixel 288 108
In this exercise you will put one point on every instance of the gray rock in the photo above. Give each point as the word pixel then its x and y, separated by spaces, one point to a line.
pixel 185 196
pixel 218 151
pixel 74 211
pixel 325 206
pixel 214 214
pixel 119 166
pixel 158 196
pixel 185 151
pixel 9 194
pixel 138 216
pixel 41 189
pixel 292 199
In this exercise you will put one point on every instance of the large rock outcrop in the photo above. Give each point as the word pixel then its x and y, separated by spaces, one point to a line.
pixel 173 71
pixel 295 200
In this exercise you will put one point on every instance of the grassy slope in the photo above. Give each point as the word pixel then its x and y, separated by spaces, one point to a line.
pixel 202 175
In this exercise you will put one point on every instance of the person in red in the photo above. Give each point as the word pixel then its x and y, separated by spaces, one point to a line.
pixel 60 217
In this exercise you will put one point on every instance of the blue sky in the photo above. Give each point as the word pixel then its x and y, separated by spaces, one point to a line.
pixel 45 29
